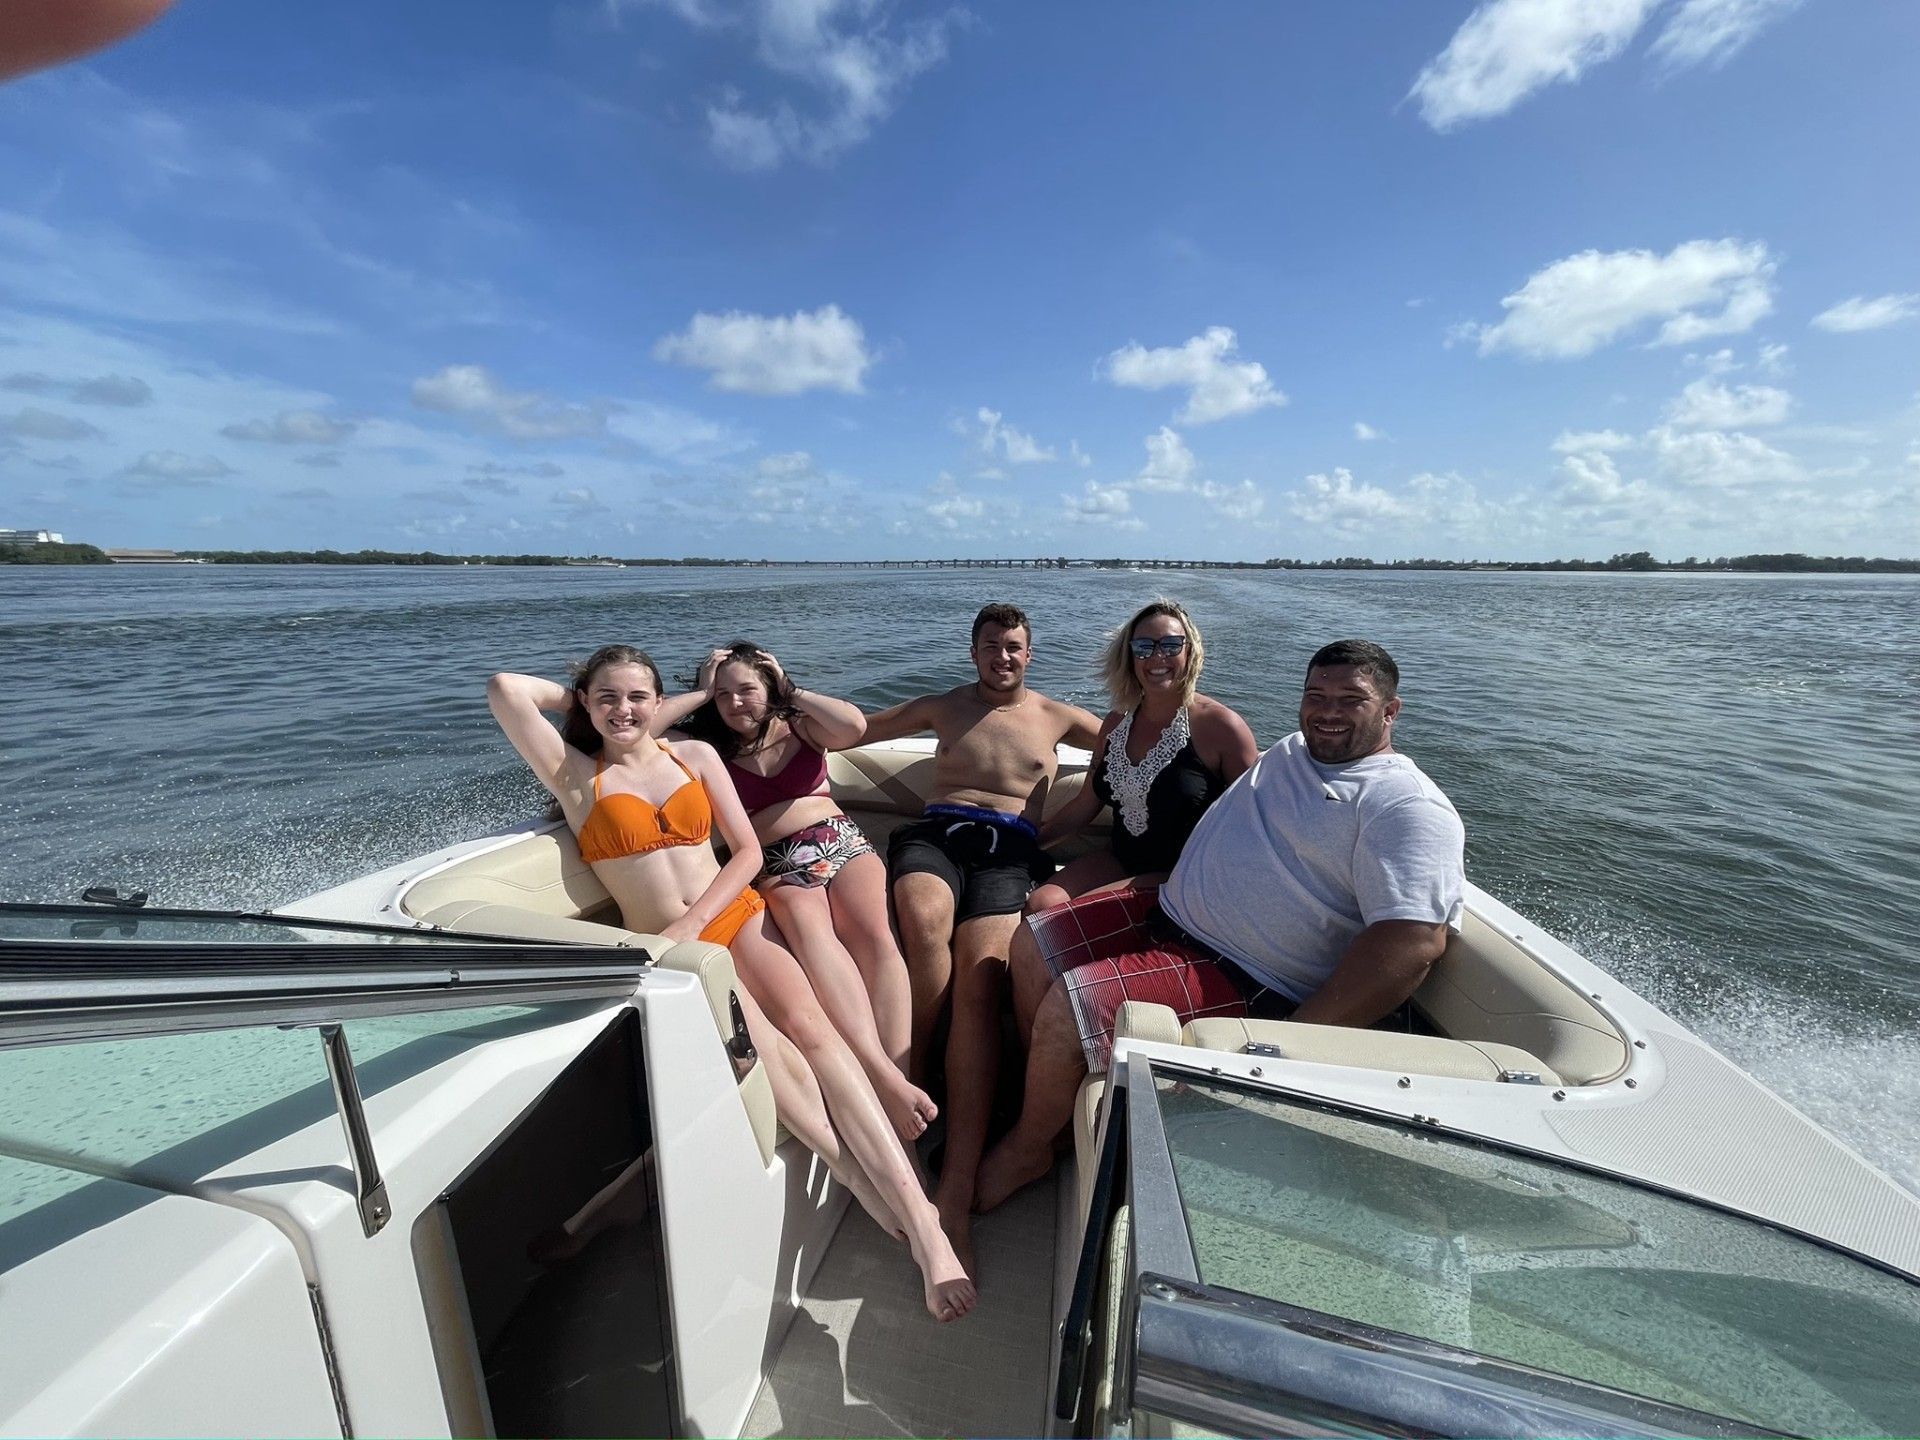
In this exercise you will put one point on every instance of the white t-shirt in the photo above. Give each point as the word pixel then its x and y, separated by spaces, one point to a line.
pixel 1297 858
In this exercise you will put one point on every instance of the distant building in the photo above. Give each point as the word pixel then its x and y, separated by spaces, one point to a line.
pixel 150 557
pixel 31 537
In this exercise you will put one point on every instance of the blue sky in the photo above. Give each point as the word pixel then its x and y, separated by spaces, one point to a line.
pixel 843 278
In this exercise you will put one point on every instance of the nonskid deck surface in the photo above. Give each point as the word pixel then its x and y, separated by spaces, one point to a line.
pixel 864 1358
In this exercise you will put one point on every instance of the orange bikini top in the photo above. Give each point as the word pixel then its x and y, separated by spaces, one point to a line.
pixel 622 824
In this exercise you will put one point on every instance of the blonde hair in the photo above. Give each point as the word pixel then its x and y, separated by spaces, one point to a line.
pixel 1116 661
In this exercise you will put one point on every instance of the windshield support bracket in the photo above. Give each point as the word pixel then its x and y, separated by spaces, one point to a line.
pixel 369 1190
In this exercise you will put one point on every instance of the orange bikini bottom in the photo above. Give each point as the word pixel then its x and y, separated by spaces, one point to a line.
pixel 724 926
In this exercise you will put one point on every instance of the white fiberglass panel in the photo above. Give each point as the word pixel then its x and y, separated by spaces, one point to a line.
pixel 131 1312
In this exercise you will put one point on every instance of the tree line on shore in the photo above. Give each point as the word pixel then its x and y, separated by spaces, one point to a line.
pixel 1637 561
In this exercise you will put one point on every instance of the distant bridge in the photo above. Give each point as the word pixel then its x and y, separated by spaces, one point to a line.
pixel 1036 562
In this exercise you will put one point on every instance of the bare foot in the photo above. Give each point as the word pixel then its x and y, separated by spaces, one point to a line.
pixel 1010 1167
pixel 909 1107
pixel 950 1294
pixel 956 1221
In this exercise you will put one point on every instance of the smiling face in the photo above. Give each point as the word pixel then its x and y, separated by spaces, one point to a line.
pixel 1160 672
pixel 1344 715
pixel 621 701
pixel 1000 656
pixel 740 695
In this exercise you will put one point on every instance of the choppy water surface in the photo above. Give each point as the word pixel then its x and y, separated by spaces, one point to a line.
pixel 1710 784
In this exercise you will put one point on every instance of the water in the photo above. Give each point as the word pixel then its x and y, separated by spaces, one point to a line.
pixel 1709 784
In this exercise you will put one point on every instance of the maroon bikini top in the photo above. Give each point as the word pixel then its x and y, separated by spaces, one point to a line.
pixel 800 776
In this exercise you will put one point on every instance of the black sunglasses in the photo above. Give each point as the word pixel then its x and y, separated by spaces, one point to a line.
pixel 1165 645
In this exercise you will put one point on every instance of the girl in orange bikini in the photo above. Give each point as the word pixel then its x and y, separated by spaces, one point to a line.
pixel 823 884
pixel 644 810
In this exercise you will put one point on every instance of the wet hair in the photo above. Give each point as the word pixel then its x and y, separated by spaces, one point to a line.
pixel 1364 656
pixel 1005 616
pixel 577 728
pixel 706 724
pixel 1116 661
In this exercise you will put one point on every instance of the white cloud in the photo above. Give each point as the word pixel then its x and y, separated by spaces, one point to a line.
pixel 175 468
pixel 1718 461
pixel 822 349
pixel 292 427
pixel 1709 405
pixel 1170 464
pixel 1711 32
pixel 1507 49
pixel 33 423
pixel 851 56
pixel 473 392
pixel 1588 442
pixel 1860 313
pixel 1574 306
pixel 1364 432
pixel 1079 456
pixel 1098 504
pixel 952 512
pixel 1773 360
pixel 1219 384
pixel 1240 503
pixel 1339 501
pixel 1015 446
pixel 121 391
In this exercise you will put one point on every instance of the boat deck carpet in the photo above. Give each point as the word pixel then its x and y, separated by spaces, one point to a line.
pixel 865 1358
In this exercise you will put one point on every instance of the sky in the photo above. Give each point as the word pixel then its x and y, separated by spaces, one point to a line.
pixel 844 279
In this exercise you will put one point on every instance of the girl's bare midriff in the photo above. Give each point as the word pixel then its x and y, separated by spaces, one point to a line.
pixel 656 889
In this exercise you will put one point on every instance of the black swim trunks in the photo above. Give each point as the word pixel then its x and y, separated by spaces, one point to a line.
pixel 989 860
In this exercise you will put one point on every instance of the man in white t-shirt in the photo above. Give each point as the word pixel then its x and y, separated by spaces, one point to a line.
pixel 1322 887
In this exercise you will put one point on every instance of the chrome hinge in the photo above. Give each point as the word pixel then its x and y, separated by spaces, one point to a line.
pixel 326 1355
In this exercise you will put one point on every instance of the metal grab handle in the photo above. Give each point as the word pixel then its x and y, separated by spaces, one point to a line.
pixel 369 1190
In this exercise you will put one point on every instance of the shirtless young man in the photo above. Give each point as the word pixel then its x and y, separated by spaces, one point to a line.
pixel 961 874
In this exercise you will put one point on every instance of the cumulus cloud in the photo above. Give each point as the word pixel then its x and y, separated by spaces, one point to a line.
pixel 1170 464
pixel 1508 49
pixel 1240 503
pixel 1711 32
pixel 1713 460
pixel 1860 313
pixel 1574 306
pixel 1364 432
pixel 1340 502
pixel 1709 405
pixel 1015 446
pixel 1098 504
pixel 822 349
pixel 33 423
pixel 954 512
pixel 174 468
pixel 294 427
pixel 1583 442
pixel 472 392
pixel 853 57
pixel 578 500
pixel 1218 383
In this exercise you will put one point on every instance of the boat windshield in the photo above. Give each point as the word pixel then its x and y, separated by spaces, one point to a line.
pixel 1537 1264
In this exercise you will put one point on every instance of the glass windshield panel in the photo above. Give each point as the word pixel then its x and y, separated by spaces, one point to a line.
pixel 1539 1264
pixel 135 926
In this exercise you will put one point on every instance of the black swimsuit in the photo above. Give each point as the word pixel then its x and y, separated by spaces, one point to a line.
pixel 1177 798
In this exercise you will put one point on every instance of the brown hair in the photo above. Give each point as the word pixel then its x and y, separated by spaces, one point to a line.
pixel 577 728
pixel 706 724
pixel 1116 661
pixel 1005 616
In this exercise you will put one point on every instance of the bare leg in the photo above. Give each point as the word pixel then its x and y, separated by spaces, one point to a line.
pixel 1031 975
pixel 1055 1063
pixel 858 895
pixel 973 1065
pixel 802 1108
pixel 806 920
pixel 775 977
pixel 923 908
